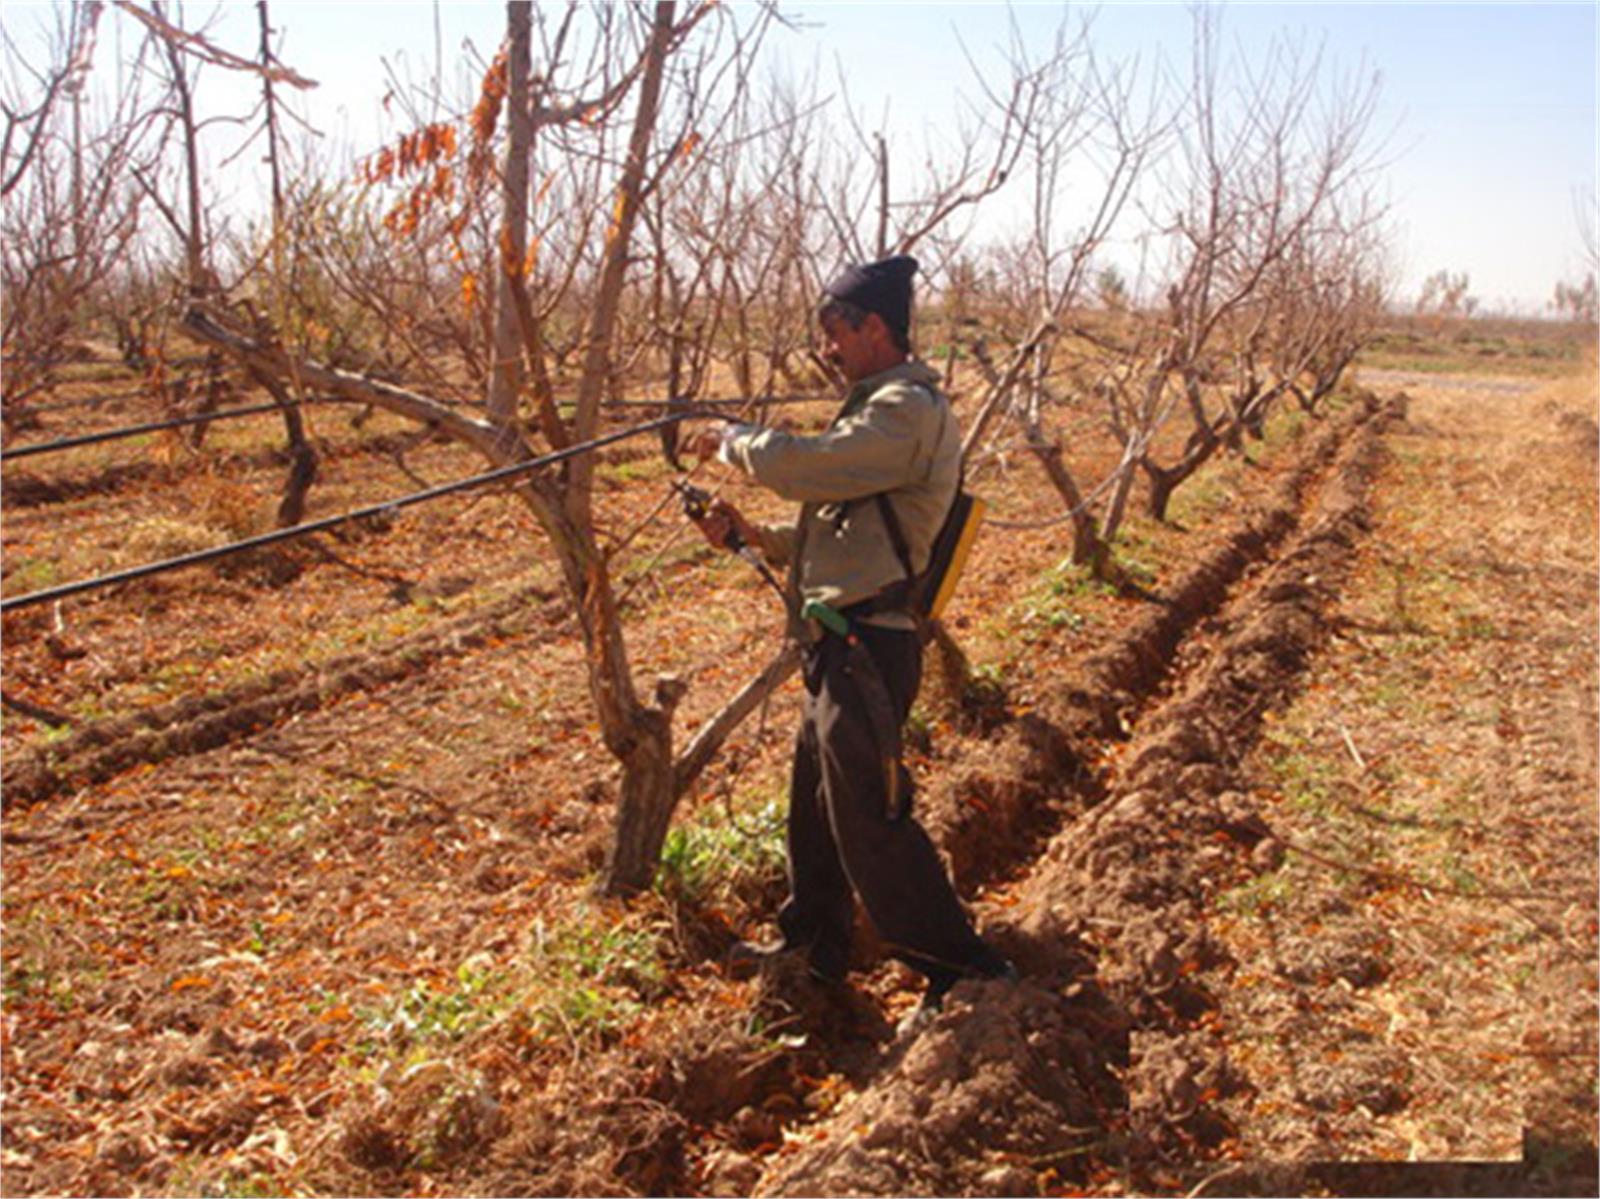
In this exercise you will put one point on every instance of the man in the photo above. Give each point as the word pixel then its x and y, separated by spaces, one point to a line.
pixel 850 827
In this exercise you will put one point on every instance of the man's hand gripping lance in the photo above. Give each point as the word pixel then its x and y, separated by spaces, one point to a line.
pixel 716 521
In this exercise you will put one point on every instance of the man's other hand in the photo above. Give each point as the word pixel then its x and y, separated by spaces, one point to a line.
pixel 708 443
pixel 703 443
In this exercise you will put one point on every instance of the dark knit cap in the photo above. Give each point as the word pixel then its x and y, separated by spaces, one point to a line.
pixel 883 287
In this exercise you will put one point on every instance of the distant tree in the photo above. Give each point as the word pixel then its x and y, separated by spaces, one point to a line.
pixel 1267 155
pixel 1587 208
pixel 1577 301
pixel 68 217
pixel 1445 295
pixel 1112 289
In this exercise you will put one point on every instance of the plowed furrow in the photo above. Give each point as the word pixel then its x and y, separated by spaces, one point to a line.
pixel 197 723
pixel 1015 1087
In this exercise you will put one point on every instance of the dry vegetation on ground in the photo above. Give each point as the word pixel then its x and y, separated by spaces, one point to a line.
pixel 1296 858
pixel 373 862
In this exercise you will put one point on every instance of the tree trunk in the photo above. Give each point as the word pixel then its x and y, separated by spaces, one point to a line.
pixel 1204 441
pixel 302 458
pixel 1165 480
pixel 211 398
pixel 645 806
pixel 1163 483
pixel 639 736
pixel 1086 544
pixel 1117 506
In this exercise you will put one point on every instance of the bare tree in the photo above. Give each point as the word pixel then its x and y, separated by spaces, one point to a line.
pixel 1578 302
pixel 69 216
pixel 1586 208
pixel 1335 296
pixel 302 458
pixel 1446 295
pixel 637 730
pixel 1096 132
pixel 1258 166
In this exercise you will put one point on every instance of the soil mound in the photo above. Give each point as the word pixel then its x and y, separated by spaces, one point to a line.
pixel 1013 1081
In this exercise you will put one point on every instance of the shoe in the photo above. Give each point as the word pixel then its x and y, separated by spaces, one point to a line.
pixel 917 1019
pixel 931 1004
pixel 758 953
pixel 991 965
pixel 998 969
pixel 1004 972
pixel 823 966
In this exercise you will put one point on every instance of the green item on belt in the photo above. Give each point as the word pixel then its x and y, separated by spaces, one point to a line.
pixel 830 619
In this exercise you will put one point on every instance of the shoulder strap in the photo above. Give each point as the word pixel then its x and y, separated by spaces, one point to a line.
pixel 891 522
pixel 897 535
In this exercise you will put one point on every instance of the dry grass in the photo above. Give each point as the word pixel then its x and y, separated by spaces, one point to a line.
pixel 1417 981
pixel 350 895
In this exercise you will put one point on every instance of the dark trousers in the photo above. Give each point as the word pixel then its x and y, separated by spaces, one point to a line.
pixel 841 838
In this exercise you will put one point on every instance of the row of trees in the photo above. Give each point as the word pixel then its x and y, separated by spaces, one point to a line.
pixel 631 199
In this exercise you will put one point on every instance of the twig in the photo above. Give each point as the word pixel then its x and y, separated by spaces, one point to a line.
pixel 1351 746
pixel 1216 1176
pixel 193 43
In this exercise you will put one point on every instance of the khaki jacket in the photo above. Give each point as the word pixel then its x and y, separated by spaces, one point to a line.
pixel 896 434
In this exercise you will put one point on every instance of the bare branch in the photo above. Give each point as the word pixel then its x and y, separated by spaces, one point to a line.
pixel 198 47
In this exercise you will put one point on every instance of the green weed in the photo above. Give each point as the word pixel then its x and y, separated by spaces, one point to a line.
pixel 985 687
pixel 717 853
pixel 1052 602
pixel 582 980
pixel 636 471
pixel 1461 878
pixel 1476 628
pixel 425 1013
pixel 1258 896
pixel 40 966
pixel 1134 550
pixel 590 978
pixel 1287 424
pixel 33 574
pixel 1204 496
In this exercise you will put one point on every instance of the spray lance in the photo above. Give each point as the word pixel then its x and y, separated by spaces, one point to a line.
pixel 697 507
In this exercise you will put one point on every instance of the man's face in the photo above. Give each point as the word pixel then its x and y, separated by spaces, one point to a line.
pixel 856 352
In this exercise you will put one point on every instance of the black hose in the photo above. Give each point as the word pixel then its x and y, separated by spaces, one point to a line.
pixel 67 443
pixel 178 422
pixel 316 526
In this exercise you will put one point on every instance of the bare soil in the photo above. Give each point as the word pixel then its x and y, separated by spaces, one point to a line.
pixel 1292 836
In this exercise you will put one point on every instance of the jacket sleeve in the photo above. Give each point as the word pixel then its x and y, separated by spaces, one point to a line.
pixel 877 448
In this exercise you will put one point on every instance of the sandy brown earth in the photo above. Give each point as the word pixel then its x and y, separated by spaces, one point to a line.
pixel 1293 840
pixel 1416 981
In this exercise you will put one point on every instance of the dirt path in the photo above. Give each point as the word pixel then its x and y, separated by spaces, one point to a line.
pixel 1416 982
pixel 1337 904
pixel 1333 899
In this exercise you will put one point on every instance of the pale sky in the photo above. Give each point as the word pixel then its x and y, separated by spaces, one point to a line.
pixel 1491 108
